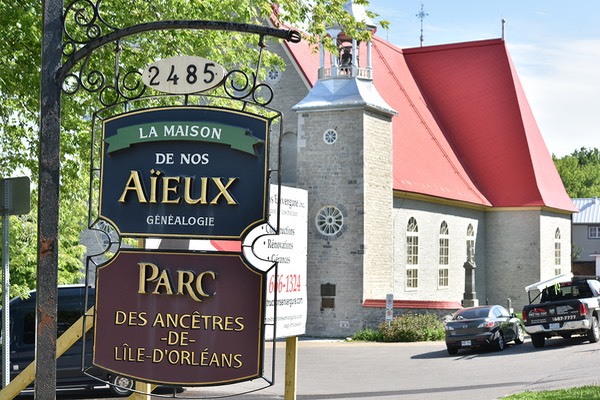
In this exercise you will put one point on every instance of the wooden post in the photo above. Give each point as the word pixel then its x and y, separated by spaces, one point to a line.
pixel 144 388
pixel 291 364
pixel 65 341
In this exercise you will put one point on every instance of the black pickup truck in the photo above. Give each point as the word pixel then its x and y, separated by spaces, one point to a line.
pixel 564 306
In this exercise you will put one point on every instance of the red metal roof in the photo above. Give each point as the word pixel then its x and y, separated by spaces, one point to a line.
pixel 464 130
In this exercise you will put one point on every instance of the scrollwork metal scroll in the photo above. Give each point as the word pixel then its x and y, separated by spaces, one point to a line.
pixel 83 29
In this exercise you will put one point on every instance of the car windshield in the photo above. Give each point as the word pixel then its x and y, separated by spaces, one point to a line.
pixel 472 313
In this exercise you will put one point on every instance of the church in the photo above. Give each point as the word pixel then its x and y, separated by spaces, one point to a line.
pixel 427 178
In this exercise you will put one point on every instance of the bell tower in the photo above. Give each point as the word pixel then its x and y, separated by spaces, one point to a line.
pixel 345 63
pixel 345 156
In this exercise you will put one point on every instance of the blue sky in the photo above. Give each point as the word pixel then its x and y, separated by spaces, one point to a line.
pixel 554 45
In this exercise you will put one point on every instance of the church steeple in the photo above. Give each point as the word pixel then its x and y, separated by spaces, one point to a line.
pixel 346 62
pixel 346 81
pixel 345 153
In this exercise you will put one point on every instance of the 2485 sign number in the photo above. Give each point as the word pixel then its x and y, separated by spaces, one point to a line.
pixel 183 75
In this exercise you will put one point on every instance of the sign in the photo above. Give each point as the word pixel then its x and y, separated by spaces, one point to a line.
pixel 286 286
pixel 15 195
pixel 389 307
pixel 179 318
pixel 193 172
pixel 183 75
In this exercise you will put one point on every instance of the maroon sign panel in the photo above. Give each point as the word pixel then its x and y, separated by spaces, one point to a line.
pixel 179 318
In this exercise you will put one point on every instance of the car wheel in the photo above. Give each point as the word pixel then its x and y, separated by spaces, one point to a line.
pixel 538 339
pixel 593 334
pixel 452 350
pixel 121 385
pixel 500 343
pixel 520 338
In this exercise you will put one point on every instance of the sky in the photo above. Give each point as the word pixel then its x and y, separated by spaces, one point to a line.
pixel 554 45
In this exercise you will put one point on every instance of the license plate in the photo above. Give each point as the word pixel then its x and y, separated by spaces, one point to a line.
pixel 465 343
pixel 554 326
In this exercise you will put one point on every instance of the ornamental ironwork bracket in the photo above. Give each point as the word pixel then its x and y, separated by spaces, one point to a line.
pixel 84 51
pixel 85 16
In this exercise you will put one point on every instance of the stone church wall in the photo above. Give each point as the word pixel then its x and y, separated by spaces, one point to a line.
pixel 429 217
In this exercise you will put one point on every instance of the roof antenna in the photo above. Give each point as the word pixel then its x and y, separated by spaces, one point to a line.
pixel 421 15
pixel 503 31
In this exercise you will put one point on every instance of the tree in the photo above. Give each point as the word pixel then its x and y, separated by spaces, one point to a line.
pixel 20 49
pixel 580 172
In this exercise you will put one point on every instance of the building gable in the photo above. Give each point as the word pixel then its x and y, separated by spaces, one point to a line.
pixel 464 130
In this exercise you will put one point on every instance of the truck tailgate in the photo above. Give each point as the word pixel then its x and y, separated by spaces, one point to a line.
pixel 562 311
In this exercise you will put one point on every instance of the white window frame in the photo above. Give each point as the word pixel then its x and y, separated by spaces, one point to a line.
pixel 443 277
pixel 471 242
pixel 557 248
pixel 444 257
pixel 594 232
pixel 412 278
pixel 412 255
pixel 329 221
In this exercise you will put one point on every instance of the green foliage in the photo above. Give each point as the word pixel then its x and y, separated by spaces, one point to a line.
pixel 579 393
pixel 23 248
pixel 580 172
pixel 405 328
pixel 20 51
pixel 368 335
pixel 413 328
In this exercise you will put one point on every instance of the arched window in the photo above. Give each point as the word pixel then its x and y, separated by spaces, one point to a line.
pixel 470 243
pixel 444 255
pixel 557 251
pixel 412 254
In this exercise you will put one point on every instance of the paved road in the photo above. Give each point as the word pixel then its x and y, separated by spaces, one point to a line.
pixel 383 371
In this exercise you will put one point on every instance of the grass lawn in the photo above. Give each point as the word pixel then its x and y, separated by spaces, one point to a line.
pixel 580 393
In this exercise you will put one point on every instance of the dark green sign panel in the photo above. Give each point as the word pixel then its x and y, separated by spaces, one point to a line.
pixel 194 172
pixel 15 195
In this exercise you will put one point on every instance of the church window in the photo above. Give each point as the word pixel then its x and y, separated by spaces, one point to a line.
pixel 329 220
pixel 274 75
pixel 470 243
pixel 557 250
pixel 412 242
pixel 412 278
pixel 330 136
pixel 412 254
pixel 444 256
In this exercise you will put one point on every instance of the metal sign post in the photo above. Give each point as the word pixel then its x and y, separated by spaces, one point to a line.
pixel 48 184
pixel 5 302
pixel 14 199
pixel 389 308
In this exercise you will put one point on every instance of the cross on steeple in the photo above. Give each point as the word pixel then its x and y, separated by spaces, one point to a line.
pixel 421 15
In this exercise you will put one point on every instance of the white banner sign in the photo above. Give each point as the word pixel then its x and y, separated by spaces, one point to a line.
pixel 286 287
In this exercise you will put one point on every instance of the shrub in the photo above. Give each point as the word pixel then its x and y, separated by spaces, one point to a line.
pixel 368 335
pixel 412 328
pixel 405 328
